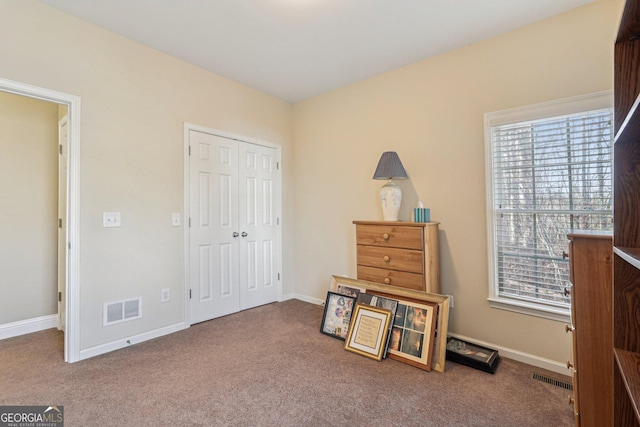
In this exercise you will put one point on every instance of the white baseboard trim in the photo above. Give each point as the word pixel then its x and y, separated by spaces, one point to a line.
pixel 28 326
pixel 129 341
pixel 529 359
pixel 304 298
pixel 287 297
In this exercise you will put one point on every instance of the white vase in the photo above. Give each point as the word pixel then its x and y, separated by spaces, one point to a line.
pixel 390 198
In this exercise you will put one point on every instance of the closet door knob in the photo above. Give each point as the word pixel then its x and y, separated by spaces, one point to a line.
pixel 244 234
pixel 568 328
pixel 565 255
pixel 386 258
pixel 235 234
pixel 567 292
pixel 569 364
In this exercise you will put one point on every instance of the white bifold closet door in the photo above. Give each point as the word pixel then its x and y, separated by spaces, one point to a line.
pixel 233 245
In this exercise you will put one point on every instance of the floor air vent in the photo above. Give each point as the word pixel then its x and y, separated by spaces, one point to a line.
pixel 562 384
pixel 120 311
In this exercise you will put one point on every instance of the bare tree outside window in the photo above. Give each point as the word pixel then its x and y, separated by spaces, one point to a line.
pixel 550 177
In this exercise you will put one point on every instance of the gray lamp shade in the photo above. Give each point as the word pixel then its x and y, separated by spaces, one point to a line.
pixel 390 167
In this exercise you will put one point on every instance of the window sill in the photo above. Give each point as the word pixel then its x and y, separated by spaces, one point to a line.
pixel 551 313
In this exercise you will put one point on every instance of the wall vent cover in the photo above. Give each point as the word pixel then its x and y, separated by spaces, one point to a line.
pixel 121 311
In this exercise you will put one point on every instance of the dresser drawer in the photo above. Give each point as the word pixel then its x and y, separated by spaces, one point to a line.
pixel 391 236
pixel 391 258
pixel 400 279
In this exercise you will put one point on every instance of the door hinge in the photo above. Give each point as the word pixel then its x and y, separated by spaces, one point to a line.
pixel 189 221
pixel 69 245
pixel 60 148
pixel 189 293
pixel 278 221
pixel 59 222
pixel 277 165
pixel 189 150
pixel 59 296
pixel 278 276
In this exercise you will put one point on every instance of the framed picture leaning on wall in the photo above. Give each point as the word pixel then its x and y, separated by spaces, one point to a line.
pixel 337 315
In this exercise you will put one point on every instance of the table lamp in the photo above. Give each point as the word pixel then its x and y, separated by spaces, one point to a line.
pixel 390 167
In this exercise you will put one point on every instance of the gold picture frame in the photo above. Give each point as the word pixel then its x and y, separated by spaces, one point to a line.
pixel 442 316
pixel 368 332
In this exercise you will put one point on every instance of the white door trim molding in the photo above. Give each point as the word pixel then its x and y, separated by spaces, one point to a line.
pixel 72 334
pixel 278 205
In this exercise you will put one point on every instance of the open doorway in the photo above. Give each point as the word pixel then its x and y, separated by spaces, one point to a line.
pixel 69 208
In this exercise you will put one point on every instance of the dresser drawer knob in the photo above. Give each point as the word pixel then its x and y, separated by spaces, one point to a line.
pixel 569 328
pixel 386 258
pixel 569 364
pixel 387 280
pixel 385 236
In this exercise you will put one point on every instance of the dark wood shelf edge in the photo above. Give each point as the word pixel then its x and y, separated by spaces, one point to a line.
pixel 592 234
pixel 628 26
pixel 630 128
pixel 630 255
pixel 629 366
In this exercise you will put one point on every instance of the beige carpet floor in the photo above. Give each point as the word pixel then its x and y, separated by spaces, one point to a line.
pixel 268 366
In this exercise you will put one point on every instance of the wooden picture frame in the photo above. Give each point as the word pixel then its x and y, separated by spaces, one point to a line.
pixel 442 316
pixel 337 315
pixel 413 332
pixel 368 332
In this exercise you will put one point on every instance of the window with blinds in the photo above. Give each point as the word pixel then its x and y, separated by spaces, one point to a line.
pixel 548 176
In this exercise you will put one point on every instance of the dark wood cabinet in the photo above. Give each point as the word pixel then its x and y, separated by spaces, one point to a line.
pixel 626 218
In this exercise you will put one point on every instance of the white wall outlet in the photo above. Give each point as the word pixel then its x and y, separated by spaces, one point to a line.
pixel 450 301
pixel 111 219
pixel 165 295
pixel 175 219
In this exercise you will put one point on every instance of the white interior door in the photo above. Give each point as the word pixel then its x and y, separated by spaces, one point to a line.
pixel 234 247
pixel 63 141
pixel 213 235
pixel 258 228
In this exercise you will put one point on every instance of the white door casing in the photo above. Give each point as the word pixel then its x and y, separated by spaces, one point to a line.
pixel 233 250
pixel 72 302
pixel 63 136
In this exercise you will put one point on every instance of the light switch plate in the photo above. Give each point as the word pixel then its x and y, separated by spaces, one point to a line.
pixel 175 219
pixel 111 219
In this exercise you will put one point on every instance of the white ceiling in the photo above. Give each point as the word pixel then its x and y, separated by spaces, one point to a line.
pixel 296 49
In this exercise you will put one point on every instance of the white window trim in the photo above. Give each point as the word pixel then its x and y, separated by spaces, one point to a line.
pixel 560 107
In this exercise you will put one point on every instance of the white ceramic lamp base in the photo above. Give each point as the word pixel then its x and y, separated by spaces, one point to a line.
pixel 390 198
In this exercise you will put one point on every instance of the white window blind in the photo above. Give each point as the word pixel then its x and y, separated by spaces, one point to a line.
pixel 549 176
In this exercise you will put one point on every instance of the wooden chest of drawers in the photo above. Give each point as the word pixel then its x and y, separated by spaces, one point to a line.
pixel 590 271
pixel 403 254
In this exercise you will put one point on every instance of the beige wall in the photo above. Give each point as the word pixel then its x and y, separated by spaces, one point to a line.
pixel 29 208
pixel 431 113
pixel 135 101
